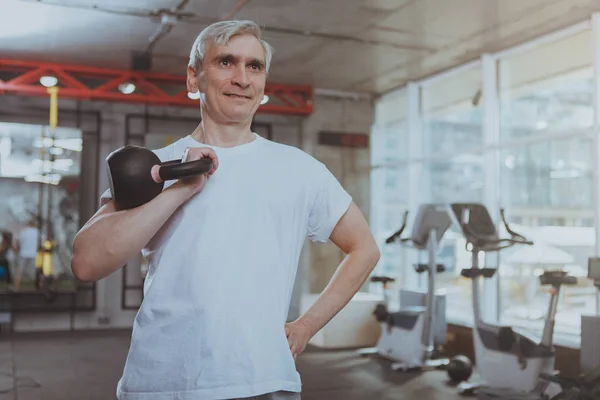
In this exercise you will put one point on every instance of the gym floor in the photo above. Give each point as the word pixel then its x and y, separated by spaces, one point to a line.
pixel 59 366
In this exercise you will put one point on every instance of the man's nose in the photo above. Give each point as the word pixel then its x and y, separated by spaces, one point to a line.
pixel 240 77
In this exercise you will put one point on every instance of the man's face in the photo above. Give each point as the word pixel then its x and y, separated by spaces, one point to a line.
pixel 232 79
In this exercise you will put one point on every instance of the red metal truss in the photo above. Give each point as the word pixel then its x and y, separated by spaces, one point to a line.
pixel 90 83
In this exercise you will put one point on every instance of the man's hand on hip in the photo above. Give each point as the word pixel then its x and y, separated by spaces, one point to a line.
pixel 298 336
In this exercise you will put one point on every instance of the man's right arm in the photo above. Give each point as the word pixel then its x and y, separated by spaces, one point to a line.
pixel 111 238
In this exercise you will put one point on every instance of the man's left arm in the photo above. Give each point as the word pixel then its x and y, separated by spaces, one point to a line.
pixel 353 236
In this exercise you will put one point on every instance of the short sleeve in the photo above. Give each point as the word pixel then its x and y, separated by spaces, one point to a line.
pixel 105 197
pixel 330 201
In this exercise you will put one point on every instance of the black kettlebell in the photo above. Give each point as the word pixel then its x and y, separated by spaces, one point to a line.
pixel 130 179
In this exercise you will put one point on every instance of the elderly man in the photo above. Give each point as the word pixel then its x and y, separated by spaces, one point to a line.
pixel 223 248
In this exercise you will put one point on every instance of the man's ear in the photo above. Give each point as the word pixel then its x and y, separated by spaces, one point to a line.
pixel 192 80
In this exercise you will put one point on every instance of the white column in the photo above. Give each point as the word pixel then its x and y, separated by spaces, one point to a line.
pixel 415 175
pixel 490 302
pixel 596 130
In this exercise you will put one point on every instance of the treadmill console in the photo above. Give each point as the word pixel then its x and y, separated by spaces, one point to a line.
pixel 473 217
pixel 430 217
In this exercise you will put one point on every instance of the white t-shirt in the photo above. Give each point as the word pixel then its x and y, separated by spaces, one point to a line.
pixel 28 242
pixel 221 273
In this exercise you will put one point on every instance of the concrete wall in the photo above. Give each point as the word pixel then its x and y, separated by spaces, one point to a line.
pixel 318 262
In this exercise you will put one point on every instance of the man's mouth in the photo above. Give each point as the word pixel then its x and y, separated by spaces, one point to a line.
pixel 237 96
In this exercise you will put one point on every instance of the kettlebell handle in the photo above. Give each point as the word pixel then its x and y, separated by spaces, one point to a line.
pixel 134 181
pixel 175 169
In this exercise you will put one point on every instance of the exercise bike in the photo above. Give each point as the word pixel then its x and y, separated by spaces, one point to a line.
pixel 407 336
pixel 590 323
pixel 509 363
pixel 584 387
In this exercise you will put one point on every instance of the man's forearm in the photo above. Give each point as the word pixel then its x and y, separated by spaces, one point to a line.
pixel 347 280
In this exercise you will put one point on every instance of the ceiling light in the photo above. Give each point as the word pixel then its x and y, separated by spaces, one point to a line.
pixel 73 144
pixel 43 142
pixel 57 151
pixel 265 99
pixel 62 164
pixel 127 88
pixel 194 96
pixel 53 179
pixel 48 81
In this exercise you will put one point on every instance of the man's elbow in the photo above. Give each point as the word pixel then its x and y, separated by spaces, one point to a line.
pixel 81 265
pixel 81 268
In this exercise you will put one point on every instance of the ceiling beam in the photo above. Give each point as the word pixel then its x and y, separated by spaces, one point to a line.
pixel 91 83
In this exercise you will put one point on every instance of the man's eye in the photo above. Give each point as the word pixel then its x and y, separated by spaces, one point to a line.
pixel 225 62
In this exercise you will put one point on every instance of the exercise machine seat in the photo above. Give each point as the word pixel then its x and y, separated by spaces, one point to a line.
pixel 557 278
pixel 382 279
pixel 504 338
pixel 406 318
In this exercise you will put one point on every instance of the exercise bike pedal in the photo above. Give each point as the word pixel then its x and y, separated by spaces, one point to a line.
pixel 428 365
pixel 368 351
pixel 404 367
pixel 437 363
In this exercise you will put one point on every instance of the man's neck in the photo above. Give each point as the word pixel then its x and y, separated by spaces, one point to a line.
pixel 222 135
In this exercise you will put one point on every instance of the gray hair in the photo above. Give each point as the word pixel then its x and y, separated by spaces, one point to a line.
pixel 219 34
